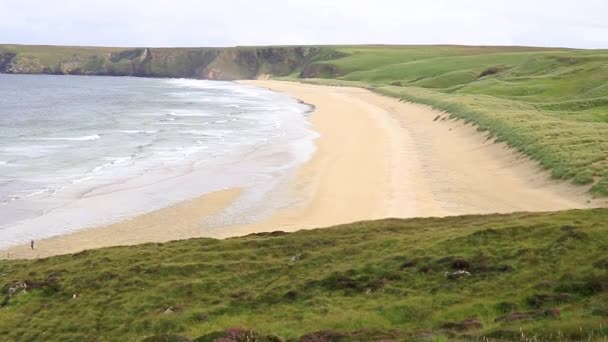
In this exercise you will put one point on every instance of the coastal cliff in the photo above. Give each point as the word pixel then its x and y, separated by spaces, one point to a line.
pixel 201 63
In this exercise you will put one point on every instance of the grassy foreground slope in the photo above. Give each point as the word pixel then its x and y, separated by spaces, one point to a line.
pixel 509 277
pixel 551 104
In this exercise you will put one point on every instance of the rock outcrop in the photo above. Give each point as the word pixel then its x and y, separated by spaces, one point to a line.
pixel 201 63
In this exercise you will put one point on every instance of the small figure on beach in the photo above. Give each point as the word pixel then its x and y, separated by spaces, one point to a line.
pixel 32 244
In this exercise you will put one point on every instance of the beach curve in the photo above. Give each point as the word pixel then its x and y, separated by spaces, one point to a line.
pixel 376 157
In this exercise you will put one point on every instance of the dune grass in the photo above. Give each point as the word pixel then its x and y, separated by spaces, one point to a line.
pixel 551 104
pixel 404 279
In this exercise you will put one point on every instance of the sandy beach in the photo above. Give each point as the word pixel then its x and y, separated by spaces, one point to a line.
pixel 376 157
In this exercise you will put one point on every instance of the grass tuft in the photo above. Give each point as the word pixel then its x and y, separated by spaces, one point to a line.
pixel 455 278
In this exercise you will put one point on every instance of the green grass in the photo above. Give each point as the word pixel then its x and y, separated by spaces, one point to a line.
pixel 364 281
pixel 551 104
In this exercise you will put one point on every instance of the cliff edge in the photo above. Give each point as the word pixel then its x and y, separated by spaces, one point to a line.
pixel 200 63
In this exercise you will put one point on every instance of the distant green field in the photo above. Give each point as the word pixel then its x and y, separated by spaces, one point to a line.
pixel 541 275
pixel 551 104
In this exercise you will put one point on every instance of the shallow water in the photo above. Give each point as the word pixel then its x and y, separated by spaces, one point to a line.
pixel 82 151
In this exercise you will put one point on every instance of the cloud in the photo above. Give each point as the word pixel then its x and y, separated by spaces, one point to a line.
pixel 267 22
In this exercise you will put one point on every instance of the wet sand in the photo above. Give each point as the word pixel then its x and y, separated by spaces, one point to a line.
pixel 376 157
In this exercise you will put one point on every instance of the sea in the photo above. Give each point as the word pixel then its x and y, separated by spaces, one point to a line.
pixel 85 151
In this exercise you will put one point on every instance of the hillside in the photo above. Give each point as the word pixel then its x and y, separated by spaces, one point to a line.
pixel 550 104
pixel 204 63
pixel 518 276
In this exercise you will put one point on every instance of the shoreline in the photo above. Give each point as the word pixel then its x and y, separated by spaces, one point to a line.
pixel 376 157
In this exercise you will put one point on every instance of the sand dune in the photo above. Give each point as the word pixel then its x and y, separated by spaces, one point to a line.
pixel 376 157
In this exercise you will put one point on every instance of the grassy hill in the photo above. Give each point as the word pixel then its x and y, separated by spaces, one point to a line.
pixel 551 104
pixel 529 277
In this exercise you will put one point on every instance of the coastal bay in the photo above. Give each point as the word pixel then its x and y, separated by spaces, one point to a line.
pixel 375 157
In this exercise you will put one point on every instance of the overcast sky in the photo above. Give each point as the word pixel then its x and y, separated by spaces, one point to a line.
pixel 569 23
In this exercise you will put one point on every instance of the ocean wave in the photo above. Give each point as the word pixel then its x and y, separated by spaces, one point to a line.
pixel 38 192
pixel 201 84
pixel 113 161
pixel 80 180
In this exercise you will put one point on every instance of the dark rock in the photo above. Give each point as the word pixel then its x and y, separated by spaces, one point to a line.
pixel 205 63
pixel 239 295
pixel 460 264
pixel 397 84
pixel 292 294
pixel 6 58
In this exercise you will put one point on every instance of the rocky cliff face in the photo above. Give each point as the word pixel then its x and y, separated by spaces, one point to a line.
pixel 201 63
